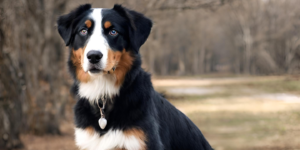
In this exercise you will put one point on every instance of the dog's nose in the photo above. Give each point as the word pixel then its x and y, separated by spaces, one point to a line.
pixel 94 56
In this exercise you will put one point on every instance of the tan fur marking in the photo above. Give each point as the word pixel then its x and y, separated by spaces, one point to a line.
pixel 123 67
pixel 90 130
pixel 77 59
pixel 123 60
pixel 139 134
pixel 88 23
pixel 107 24
pixel 113 58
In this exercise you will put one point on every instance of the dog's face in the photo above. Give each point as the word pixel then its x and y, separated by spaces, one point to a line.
pixel 103 41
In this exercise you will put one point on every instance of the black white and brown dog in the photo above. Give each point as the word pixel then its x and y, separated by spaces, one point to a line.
pixel 105 62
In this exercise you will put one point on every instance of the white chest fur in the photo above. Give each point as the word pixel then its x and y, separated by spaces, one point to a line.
pixel 113 139
pixel 98 86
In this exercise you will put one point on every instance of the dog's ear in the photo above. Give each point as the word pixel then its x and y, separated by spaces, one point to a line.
pixel 65 22
pixel 140 26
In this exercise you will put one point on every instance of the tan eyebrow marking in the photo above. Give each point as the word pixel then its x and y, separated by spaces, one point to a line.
pixel 107 24
pixel 88 23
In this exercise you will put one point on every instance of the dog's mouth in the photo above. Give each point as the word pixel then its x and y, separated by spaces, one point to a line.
pixel 94 69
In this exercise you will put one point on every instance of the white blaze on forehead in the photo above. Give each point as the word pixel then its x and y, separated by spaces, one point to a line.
pixel 96 41
pixel 99 84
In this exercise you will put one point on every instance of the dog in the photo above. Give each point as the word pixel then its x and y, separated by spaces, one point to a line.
pixel 117 106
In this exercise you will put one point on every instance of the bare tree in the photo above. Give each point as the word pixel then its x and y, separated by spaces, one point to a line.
pixel 33 95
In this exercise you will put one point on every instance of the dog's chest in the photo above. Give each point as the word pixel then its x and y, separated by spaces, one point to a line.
pixel 88 139
pixel 102 85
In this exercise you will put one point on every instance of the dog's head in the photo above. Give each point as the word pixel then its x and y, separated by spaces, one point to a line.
pixel 103 41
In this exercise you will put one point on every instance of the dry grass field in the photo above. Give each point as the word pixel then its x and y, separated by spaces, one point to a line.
pixel 236 113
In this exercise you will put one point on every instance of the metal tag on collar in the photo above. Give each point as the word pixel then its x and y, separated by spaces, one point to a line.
pixel 102 121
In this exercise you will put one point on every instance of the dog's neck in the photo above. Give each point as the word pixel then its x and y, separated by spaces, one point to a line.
pixel 100 85
pixel 104 84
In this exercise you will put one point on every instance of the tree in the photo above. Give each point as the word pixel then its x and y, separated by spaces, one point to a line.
pixel 33 93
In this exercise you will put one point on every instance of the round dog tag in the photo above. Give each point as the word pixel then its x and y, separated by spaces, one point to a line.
pixel 102 123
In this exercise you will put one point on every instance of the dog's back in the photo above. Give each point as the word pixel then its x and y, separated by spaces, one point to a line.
pixel 178 132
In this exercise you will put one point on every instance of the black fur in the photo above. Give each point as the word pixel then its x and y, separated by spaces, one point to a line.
pixel 67 22
pixel 140 26
pixel 138 105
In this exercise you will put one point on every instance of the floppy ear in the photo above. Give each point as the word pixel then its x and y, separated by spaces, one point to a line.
pixel 140 26
pixel 65 22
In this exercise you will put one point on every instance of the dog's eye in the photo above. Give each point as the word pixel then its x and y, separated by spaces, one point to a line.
pixel 83 32
pixel 113 32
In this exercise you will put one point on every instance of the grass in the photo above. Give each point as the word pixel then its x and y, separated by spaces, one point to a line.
pixel 286 85
pixel 234 119
pixel 231 118
pixel 244 130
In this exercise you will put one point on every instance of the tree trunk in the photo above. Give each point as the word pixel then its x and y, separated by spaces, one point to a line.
pixel 10 104
pixel 248 47
pixel 32 66
pixel 202 57
pixel 196 61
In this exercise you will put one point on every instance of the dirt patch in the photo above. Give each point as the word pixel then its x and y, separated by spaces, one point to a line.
pixel 52 142
pixel 235 104
pixel 193 91
pixel 49 142
pixel 210 82
pixel 288 98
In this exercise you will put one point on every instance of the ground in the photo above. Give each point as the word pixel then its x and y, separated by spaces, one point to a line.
pixel 234 113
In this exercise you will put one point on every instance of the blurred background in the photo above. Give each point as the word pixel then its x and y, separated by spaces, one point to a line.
pixel 230 65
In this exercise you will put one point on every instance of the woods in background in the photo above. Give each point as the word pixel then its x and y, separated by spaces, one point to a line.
pixel 189 37
pixel 259 37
